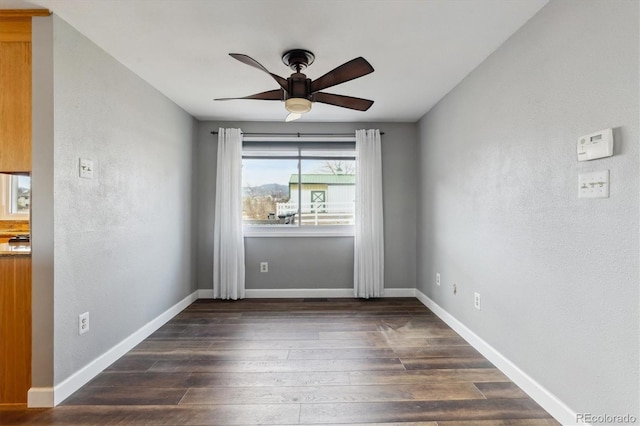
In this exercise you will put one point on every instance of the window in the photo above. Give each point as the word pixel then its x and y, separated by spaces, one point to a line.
pixel 293 187
pixel 15 197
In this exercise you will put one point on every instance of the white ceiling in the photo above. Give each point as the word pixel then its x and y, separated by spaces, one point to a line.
pixel 420 49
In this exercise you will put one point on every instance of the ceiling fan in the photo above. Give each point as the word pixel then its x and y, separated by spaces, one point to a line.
pixel 298 92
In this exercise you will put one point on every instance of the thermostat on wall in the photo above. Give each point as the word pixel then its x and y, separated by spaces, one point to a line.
pixel 596 145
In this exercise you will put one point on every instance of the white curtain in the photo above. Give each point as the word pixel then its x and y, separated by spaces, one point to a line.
pixel 368 277
pixel 228 244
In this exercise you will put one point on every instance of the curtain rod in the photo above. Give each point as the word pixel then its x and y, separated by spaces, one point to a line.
pixel 295 134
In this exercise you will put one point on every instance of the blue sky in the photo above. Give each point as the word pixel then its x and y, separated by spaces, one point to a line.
pixel 261 172
pixel 256 172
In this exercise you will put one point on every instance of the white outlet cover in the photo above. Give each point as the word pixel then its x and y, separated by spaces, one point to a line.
pixel 593 185
pixel 86 168
pixel 83 323
pixel 438 279
pixel 476 300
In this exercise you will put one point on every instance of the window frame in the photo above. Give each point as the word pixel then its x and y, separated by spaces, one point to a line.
pixel 8 185
pixel 252 231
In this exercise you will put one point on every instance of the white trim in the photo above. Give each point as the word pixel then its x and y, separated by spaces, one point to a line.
pixel 399 292
pixel 63 390
pixel 205 293
pixel 40 397
pixel 8 184
pixel 298 231
pixel 552 404
pixel 296 293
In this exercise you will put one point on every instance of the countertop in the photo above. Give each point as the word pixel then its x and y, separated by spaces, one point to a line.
pixel 22 249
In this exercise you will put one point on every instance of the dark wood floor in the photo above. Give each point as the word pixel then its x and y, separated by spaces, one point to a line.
pixel 291 362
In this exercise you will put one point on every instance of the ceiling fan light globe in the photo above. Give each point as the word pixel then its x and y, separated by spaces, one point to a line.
pixel 292 116
pixel 297 105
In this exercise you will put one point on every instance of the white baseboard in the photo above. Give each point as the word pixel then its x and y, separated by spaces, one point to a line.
pixel 297 293
pixel 399 292
pixel 535 390
pixel 50 397
pixel 294 293
pixel 40 397
pixel 205 294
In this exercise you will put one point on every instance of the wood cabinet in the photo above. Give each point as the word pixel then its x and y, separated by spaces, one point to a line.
pixel 15 329
pixel 15 94
pixel 15 89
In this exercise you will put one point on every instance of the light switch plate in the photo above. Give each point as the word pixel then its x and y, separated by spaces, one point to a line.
pixel 593 185
pixel 86 168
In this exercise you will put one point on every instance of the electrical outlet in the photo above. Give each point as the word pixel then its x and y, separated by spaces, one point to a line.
pixel 476 300
pixel 437 279
pixel 264 266
pixel 455 288
pixel 83 323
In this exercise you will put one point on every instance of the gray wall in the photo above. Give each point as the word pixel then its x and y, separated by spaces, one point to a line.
pixel 289 265
pixel 122 244
pixel 499 213
pixel 294 263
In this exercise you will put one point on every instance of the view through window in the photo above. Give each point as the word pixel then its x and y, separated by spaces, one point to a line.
pixel 15 196
pixel 298 184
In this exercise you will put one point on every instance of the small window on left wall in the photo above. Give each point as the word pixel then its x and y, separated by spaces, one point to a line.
pixel 15 197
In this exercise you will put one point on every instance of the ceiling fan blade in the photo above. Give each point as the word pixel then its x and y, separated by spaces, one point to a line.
pixel 348 71
pixel 253 63
pixel 270 95
pixel 342 101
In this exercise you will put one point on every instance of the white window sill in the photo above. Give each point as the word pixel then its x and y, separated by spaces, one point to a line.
pixel 14 216
pixel 296 231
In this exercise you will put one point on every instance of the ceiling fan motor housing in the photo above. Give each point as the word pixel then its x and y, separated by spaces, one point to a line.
pixel 299 86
